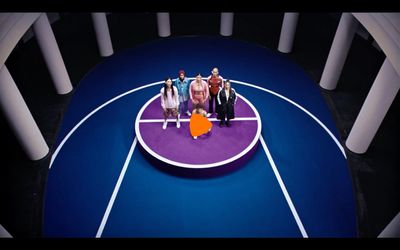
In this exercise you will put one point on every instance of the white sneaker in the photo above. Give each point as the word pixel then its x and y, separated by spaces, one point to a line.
pixel 164 126
pixel 178 124
pixel 195 137
pixel 208 114
pixel 188 113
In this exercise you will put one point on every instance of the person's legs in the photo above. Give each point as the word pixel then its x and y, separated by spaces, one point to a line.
pixel 229 113
pixel 179 107
pixel 186 107
pixel 222 121
pixel 166 114
pixel 175 114
pixel 210 103
pixel 215 103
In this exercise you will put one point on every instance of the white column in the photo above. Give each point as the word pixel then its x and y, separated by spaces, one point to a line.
pixel 51 53
pixel 102 34
pixel 287 32
pixel 339 50
pixel 374 109
pixel 226 28
pixel 164 28
pixel 19 117
pixel 4 233
pixel 392 230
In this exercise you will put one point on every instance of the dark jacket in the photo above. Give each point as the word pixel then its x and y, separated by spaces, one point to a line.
pixel 226 107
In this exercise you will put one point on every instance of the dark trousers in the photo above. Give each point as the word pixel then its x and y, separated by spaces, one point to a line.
pixel 224 119
pixel 213 99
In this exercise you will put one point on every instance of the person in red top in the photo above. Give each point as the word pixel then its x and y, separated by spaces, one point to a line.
pixel 215 83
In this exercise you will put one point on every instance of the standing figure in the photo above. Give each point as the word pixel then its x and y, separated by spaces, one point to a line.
pixel 215 83
pixel 226 99
pixel 183 84
pixel 169 102
pixel 198 92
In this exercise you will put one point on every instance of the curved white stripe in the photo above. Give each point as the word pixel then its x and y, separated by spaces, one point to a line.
pixel 301 108
pixel 53 157
pixel 155 83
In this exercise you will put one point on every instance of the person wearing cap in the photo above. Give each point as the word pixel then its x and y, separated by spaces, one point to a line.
pixel 215 83
pixel 183 84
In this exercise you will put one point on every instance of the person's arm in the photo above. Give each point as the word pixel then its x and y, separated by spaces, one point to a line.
pixel 208 81
pixel 176 96
pixel 191 91
pixel 234 94
pixel 222 82
pixel 187 88
pixel 162 98
pixel 219 97
pixel 207 90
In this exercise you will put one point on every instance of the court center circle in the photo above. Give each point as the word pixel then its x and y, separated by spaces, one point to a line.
pixel 176 147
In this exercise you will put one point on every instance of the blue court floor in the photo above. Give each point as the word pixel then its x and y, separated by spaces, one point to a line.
pixel 297 184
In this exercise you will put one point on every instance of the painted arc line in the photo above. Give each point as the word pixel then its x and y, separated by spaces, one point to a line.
pixel 53 157
pixel 197 166
pixel 116 189
pixel 283 188
pixel 301 108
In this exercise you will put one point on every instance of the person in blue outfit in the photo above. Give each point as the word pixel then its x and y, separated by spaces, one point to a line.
pixel 183 84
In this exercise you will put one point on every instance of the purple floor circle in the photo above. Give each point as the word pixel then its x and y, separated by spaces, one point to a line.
pixel 220 147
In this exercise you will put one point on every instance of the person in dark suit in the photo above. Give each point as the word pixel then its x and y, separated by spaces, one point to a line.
pixel 226 100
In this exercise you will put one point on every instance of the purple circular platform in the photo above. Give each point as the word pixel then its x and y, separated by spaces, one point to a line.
pixel 220 147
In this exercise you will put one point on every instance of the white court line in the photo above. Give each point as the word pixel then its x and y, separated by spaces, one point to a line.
pixel 188 120
pixel 301 108
pixel 116 189
pixel 53 157
pixel 284 190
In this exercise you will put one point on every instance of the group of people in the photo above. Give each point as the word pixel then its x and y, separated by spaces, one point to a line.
pixel 175 96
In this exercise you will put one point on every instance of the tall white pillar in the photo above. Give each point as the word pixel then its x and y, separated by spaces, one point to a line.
pixel 287 32
pixel 102 34
pixel 226 28
pixel 339 50
pixel 392 230
pixel 164 28
pixel 4 233
pixel 374 109
pixel 51 53
pixel 19 118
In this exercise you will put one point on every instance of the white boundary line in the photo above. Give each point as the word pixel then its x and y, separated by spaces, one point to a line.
pixel 284 190
pixel 116 189
pixel 188 120
pixel 185 165
pixel 53 157
pixel 301 108
pixel 159 82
